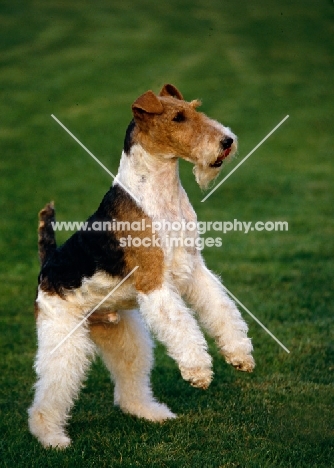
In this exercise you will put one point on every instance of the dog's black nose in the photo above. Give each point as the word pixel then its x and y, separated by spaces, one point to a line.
pixel 227 143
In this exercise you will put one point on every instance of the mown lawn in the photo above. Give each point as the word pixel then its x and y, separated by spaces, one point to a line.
pixel 252 63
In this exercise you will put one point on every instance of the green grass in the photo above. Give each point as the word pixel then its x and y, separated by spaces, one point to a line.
pixel 252 63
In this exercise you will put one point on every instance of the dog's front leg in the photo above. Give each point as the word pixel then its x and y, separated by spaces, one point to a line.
pixel 220 317
pixel 174 325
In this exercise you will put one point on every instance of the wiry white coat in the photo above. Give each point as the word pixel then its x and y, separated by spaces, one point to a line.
pixel 126 346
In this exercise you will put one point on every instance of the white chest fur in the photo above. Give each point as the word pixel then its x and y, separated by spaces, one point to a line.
pixel 155 182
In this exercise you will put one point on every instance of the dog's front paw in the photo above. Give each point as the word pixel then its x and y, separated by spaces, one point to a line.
pixel 197 377
pixel 239 354
pixel 242 362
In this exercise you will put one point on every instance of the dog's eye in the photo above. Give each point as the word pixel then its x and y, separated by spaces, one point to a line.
pixel 179 117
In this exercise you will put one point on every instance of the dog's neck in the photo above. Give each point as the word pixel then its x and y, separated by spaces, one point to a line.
pixel 155 182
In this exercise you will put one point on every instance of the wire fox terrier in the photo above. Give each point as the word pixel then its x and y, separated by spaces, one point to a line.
pixel 76 276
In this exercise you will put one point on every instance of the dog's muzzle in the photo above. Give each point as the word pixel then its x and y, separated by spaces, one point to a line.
pixel 225 144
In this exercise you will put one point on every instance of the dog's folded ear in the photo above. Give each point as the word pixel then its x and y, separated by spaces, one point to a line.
pixel 147 103
pixel 170 90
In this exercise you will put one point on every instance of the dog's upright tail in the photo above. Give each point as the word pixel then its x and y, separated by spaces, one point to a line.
pixel 46 236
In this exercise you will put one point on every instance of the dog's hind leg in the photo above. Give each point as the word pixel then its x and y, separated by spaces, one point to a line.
pixel 127 351
pixel 220 317
pixel 60 373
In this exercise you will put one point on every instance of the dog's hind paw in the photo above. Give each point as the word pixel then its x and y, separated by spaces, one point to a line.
pixel 49 434
pixel 59 442
pixel 197 376
pixel 150 410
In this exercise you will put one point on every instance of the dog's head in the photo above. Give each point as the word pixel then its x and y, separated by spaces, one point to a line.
pixel 167 127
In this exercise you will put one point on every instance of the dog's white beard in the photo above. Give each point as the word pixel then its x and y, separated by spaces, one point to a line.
pixel 205 174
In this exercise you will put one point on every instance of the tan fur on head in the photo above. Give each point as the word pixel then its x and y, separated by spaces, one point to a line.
pixel 195 103
pixel 168 127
